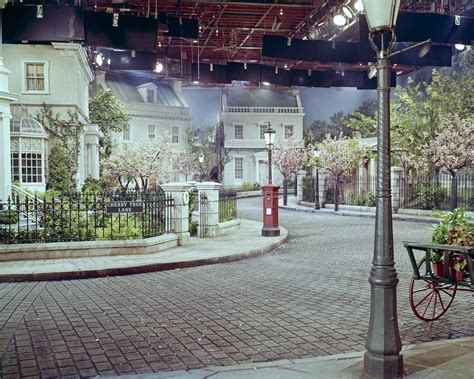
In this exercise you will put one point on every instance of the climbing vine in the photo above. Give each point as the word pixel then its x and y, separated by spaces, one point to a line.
pixel 67 134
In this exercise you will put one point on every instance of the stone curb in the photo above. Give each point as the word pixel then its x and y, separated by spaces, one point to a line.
pixel 396 217
pixel 151 267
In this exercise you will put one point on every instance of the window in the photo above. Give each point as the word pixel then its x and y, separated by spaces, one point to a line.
pixel 238 132
pixel 151 131
pixel 35 77
pixel 239 168
pixel 29 167
pixel 126 133
pixel 150 96
pixel 288 131
pixel 175 134
pixel 262 131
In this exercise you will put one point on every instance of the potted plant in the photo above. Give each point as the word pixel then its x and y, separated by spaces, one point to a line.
pixel 455 228
pixel 437 264
pixel 460 235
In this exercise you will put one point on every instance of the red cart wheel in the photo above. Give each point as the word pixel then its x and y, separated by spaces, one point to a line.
pixel 429 300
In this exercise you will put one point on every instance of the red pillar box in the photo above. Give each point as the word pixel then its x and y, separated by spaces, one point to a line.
pixel 270 211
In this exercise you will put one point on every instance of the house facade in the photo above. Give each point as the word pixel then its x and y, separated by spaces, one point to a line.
pixel 155 107
pixel 245 114
pixel 56 75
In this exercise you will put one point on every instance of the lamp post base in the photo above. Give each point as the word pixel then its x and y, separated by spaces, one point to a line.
pixel 383 366
pixel 270 232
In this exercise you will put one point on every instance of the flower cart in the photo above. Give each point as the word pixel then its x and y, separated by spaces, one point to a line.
pixel 434 286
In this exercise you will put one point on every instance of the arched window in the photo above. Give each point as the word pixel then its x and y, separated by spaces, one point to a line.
pixel 28 148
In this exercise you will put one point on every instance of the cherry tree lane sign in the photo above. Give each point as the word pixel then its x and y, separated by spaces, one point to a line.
pixel 124 207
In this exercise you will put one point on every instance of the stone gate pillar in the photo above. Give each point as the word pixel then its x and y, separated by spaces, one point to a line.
pixel 395 178
pixel 299 196
pixel 180 194
pixel 211 192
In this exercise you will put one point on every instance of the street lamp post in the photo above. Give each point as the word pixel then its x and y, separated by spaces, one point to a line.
pixel 382 358
pixel 269 141
pixel 317 204
pixel 270 192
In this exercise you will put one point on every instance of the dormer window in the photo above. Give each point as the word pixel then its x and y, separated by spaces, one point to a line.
pixel 150 96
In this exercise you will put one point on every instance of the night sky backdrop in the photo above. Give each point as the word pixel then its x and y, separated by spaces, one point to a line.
pixel 318 103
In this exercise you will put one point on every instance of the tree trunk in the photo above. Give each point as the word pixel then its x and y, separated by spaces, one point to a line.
pixel 454 192
pixel 437 198
pixel 285 190
pixel 296 184
pixel 336 194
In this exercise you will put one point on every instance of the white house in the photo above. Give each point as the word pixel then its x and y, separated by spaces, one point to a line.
pixel 57 75
pixel 244 112
pixel 154 107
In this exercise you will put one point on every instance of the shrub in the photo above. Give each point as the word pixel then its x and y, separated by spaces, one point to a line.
pixel 429 196
pixel 61 173
pixel 193 228
pixel 8 217
pixel 362 199
pixel 123 229
pixel 97 185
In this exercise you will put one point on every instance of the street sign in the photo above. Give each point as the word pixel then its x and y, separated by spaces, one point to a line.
pixel 124 207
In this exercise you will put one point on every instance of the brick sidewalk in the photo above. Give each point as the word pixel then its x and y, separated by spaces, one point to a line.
pixel 309 298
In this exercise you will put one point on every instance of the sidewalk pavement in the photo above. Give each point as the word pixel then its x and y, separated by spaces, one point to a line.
pixel 292 206
pixel 434 360
pixel 242 243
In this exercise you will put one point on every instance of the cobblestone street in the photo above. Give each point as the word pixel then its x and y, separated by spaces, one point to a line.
pixel 308 298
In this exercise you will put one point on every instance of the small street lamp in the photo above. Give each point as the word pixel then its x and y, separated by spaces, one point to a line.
pixel 317 204
pixel 269 134
pixel 201 161
pixel 270 191
pixel 382 358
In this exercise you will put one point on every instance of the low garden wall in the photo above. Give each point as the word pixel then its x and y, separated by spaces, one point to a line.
pixel 229 226
pixel 57 250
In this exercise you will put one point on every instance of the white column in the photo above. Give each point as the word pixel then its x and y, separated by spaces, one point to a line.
pixel 211 190
pixel 395 173
pixel 300 175
pixel 180 193
pixel 5 116
pixel 92 136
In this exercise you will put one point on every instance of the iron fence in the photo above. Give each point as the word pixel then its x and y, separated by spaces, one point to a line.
pixel 227 205
pixel 86 217
pixel 436 191
pixel 308 189
pixel 418 192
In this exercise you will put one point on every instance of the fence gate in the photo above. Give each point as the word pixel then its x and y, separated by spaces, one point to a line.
pixel 203 215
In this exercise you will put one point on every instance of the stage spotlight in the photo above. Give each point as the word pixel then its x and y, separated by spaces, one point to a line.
pixel 159 67
pixel 339 20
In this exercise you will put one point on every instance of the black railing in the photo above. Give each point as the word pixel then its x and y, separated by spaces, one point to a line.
pixel 417 192
pixel 227 204
pixel 435 191
pixel 86 217
pixel 308 189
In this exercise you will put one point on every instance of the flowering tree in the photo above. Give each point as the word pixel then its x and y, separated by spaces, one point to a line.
pixel 186 163
pixel 289 161
pixel 340 156
pixel 453 149
pixel 142 162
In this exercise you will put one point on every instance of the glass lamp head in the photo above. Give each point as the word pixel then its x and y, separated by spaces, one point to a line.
pixel 381 14
pixel 269 135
